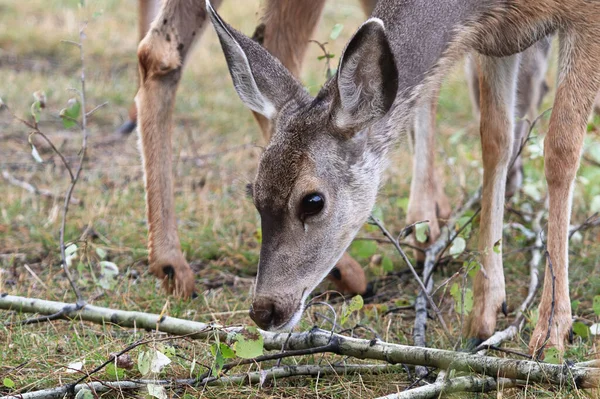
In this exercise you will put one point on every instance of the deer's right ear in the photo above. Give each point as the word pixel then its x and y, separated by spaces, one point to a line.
pixel 260 80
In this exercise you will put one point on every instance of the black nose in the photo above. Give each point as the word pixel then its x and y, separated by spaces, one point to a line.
pixel 263 312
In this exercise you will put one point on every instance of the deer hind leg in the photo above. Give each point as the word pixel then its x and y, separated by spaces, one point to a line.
pixel 288 27
pixel 531 90
pixel 147 11
pixel 497 102
pixel 161 56
pixel 578 83
pixel 427 198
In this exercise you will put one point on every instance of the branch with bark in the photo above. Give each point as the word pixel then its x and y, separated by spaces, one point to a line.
pixel 582 377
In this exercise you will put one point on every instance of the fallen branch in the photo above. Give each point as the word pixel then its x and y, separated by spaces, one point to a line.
pixel 255 377
pixel 582 377
pixel 459 384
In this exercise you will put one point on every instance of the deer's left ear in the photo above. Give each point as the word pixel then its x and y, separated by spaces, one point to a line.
pixel 367 79
pixel 260 80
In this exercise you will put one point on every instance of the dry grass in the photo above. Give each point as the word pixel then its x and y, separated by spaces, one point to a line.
pixel 217 145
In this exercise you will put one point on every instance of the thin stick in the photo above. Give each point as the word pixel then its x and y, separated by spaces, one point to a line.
pixel 415 274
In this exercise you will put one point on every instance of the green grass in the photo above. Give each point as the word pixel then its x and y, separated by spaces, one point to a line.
pixel 217 223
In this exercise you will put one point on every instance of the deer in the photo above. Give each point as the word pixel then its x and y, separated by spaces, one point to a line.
pixel 317 179
pixel 288 25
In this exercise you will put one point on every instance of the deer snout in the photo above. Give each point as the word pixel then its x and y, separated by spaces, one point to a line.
pixel 269 314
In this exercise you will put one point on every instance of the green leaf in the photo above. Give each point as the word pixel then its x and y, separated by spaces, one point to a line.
pixel 498 246
pixel 258 235
pixel 575 306
pixel 144 362
pixel 596 305
pixel 114 372
pixel 457 295
pixel 248 343
pixel 355 304
pixel 581 329
pixel 157 391
pixel 219 359
pixel 363 248
pixel 100 252
pixel 328 56
pixel 335 32
pixel 36 109
pixel 84 393
pixel 8 383
pixel 421 232
pixel 552 356
pixel 387 264
pixel 458 246
pixel 472 267
pixel 70 114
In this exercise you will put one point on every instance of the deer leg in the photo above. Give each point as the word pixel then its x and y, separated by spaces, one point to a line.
pixel 578 85
pixel 497 102
pixel 427 198
pixel 161 56
pixel 531 90
pixel 147 11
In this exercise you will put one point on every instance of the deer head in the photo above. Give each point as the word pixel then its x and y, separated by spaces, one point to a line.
pixel 317 179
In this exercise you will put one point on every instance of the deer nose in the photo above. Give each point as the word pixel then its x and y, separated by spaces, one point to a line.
pixel 263 312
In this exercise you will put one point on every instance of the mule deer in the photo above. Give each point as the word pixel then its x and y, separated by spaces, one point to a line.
pixel 288 25
pixel 162 53
pixel 318 178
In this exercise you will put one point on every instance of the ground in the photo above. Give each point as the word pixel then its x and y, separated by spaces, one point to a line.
pixel 217 144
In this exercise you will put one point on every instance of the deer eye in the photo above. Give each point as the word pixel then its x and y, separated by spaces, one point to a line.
pixel 311 205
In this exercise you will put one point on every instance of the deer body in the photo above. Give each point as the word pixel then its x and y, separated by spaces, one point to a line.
pixel 318 178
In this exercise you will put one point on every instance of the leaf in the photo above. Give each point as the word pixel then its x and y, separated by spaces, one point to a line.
pixel 575 306
pixel 84 393
pixel 70 249
pixel 335 32
pixel 248 343
pixel 363 248
pixel 457 295
pixel 70 114
pixel 36 109
pixel 8 383
pixel 421 232
pixel 552 356
pixel 581 329
pixel 159 361
pixel 596 305
pixel 114 372
pixel 35 154
pixel 219 360
pixel 144 362
pixel 595 329
pixel 458 246
pixel 498 246
pixel 387 264
pixel 355 304
pixel 75 367
pixel 157 391
pixel 328 56
pixel 100 252
pixel 595 205
pixel 108 272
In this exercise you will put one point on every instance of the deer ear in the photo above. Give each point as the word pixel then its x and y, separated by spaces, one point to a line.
pixel 367 79
pixel 260 80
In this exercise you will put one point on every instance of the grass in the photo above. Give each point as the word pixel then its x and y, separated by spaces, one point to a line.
pixel 216 145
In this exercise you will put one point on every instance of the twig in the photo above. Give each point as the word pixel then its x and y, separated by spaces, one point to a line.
pixel 415 274
pixel 255 377
pixel 31 188
pixel 459 384
pixel 590 222
pixel 582 377
pixel 74 179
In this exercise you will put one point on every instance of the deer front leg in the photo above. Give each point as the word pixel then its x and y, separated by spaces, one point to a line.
pixel 498 77
pixel 578 86
pixel 161 57
pixel 427 198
